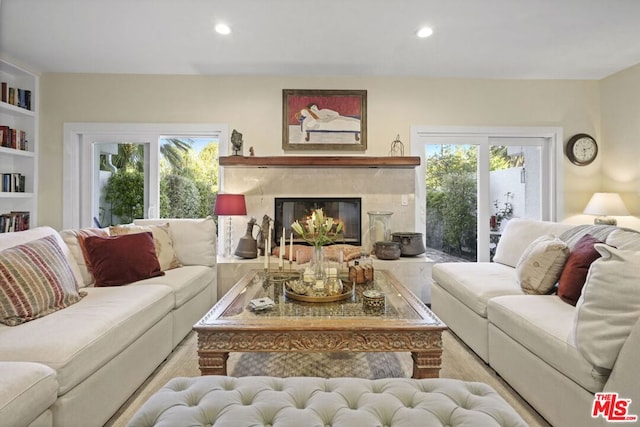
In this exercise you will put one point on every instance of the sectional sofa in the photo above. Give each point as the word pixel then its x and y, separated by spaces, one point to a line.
pixel 76 366
pixel 556 345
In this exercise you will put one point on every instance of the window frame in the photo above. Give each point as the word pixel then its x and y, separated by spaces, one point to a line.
pixel 78 172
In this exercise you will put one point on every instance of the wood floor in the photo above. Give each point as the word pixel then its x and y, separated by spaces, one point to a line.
pixel 458 362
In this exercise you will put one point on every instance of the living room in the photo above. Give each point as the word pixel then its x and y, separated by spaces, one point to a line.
pixel 602 101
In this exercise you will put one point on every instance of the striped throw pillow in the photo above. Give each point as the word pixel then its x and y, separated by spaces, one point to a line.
pixel 35 280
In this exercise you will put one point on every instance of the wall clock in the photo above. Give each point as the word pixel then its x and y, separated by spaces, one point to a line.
pixel 582 149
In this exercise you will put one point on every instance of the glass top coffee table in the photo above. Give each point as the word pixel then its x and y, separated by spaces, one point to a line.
pixel 402 324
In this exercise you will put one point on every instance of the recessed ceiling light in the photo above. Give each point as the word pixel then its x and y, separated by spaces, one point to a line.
pixel 223 29
pixel 424 32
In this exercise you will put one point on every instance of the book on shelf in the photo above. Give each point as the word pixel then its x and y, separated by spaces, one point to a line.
pixel 13 138
pixel 13 182
pixel 14 221
pixel 16 96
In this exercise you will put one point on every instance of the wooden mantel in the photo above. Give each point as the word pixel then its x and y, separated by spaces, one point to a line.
pixel 322 161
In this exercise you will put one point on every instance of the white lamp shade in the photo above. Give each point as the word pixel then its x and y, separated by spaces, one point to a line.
pixel 606 204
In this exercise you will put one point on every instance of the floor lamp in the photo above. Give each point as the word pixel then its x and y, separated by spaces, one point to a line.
pixel 229 205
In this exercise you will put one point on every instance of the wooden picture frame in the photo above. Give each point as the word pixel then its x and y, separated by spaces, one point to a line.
pixel 324 120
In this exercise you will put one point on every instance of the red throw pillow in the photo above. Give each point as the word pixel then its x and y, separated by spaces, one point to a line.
pixel 574 274
pixel 118 260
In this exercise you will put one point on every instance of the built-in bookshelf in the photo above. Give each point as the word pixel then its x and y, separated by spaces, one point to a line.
pixel 19 90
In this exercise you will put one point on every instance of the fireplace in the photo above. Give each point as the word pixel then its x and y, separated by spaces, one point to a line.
pixel 346 209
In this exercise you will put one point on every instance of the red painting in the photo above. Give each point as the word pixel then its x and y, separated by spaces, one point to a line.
pixel 324 120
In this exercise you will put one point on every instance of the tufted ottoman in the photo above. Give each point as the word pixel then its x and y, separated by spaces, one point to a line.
pixel 309 402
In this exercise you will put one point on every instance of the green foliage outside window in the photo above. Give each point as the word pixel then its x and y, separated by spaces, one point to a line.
pixel 452 196
pixel 188 181
pixel 125 192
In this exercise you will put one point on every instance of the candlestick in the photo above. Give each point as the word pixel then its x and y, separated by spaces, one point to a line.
pixel 281 258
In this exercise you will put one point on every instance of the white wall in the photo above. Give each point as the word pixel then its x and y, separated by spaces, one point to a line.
pixel 253 106
pixel 620 159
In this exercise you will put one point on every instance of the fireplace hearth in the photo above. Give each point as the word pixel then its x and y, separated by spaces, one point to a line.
pixel 348 210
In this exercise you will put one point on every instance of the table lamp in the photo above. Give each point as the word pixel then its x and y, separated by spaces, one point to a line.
pixel 605 205
pixel 229 205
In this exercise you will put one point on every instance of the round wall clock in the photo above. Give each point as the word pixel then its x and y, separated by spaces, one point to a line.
pixel 582 149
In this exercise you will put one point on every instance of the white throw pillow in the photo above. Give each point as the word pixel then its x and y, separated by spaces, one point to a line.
pixel 194 239
pixel 540 265
pixel 518 235
pixel 624 239
pixel 609 305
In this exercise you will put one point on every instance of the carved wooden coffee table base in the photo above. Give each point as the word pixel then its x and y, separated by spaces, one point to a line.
pixel 229 328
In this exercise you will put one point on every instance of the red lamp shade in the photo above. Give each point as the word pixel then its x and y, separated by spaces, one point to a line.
pixel 230 204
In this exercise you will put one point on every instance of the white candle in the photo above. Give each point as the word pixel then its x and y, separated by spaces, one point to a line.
pixel 269 241
pixel 281 258
pixel 291 248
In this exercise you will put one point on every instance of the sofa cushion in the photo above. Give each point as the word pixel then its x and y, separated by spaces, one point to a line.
pixel 28 389
pixel 599 231
pixel 194 240
pixel 474 283
pixel 35 280
pixel 542 324
pixel 575 270
pixel 74 238
pixel 8 240
pixel 518 235
pixel 609 306
pixel 161 240
pixel 540 265
pixel 624 239
pixel 185 282
pixel 80 339
pixel 119 260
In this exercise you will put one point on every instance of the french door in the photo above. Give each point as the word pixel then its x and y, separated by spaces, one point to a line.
pixel 476 181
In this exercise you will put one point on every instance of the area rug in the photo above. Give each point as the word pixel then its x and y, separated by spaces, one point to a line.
pixel 327 365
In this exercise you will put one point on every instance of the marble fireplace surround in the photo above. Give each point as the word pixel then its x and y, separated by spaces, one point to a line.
pixel 381 189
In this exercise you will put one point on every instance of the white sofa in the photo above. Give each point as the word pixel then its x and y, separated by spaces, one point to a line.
pixel 531 340
pixel 94 354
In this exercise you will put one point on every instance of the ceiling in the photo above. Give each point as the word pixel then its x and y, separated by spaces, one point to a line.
pixel 520 39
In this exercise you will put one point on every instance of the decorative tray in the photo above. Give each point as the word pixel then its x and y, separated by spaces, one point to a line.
pixel 347 292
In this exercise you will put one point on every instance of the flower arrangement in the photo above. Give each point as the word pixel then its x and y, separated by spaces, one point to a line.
pixel 319 230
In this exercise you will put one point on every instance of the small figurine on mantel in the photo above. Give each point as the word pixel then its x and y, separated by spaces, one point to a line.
pixel 397 147
pixel 236 143
pixel 251 153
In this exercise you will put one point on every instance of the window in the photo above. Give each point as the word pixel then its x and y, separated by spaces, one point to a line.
pixel 476 179
pixel 153 170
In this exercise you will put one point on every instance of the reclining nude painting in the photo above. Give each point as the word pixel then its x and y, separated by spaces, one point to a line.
pixel 324 120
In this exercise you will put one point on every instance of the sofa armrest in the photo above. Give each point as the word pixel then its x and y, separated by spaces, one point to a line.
pixel 624 377
pixel 519 233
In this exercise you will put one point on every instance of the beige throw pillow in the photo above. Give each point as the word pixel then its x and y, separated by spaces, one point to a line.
pixel 161 240
pixel 540 265
pixel 609 305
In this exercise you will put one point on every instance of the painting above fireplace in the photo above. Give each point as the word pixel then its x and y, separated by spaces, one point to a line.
pixel 348 210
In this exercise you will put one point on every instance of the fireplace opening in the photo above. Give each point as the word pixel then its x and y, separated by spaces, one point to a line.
pixel 348 210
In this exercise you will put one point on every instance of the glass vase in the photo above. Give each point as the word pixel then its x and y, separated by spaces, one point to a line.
pixel 379 227
pixel 318 268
